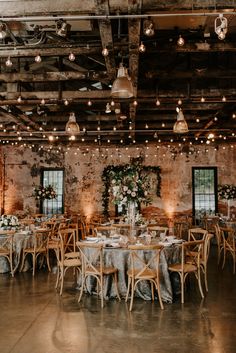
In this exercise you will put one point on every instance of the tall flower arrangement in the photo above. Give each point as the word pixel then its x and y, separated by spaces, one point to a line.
pixel 227 192
pixel 128 183
pixel 44 192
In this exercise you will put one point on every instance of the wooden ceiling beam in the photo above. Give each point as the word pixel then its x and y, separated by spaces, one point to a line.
pixel 102 8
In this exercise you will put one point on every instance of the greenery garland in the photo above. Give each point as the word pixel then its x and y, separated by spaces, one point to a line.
pixel 112 171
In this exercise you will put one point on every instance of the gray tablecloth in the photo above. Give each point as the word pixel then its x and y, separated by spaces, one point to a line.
pixel 119 258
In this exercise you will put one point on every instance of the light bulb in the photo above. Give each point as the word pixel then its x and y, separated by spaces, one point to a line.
pixel 19 100
pixel 89 103
pixel 43 101
pixel 180 41
pixel 72 57
pixel 8 62
pixel 158 102
pixel 38 59
pixel 105 52
pixel 142 48
pixel 221 35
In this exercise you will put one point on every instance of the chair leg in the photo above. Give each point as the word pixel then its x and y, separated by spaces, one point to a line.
pixel 132 294
pixel 159 294
pixel 116 285
pixel 48 262
pixel 82 287
pixel 182 287
pixel 128 289
pixel 205 277
pixel 62 280
pixel 22 261
pixel 199 282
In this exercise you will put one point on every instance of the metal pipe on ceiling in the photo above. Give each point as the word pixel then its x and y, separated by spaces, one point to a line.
pixel 114 17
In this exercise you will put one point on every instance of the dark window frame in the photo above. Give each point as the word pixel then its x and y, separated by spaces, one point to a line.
pixel 215 187
pixel 63 185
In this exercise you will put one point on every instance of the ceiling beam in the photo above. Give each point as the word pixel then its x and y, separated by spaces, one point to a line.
pixel 102 8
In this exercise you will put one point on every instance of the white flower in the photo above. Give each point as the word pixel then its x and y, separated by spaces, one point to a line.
pixel 133 194
pixel 125 188
pixel 129 191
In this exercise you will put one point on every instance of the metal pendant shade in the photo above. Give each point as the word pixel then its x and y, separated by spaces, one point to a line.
pixel 71 126
pixel 180 126
pixel 122 86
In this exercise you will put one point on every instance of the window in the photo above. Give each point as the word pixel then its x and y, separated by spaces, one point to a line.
pixel 54 177
pixel 204 191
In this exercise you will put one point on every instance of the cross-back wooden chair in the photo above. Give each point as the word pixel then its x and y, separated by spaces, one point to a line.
pixel 220 241
pixel 144 268
pixel 93 266
pixel 228 235
pixel 190 263
pixel 6 249
pixel 158 230
pixel 66 259
pixel 37 249
pixel 197 234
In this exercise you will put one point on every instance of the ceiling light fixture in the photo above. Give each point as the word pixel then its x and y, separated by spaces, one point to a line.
pixel 8 62
pixel 71 126
pixel 105 51
pixel 61 28
pixel 108 108
pixel 148 28
pixel 38 58
pixel 180 126
pixel 122 86
pixel 158 102
pixel 72 57
pixel 3 30
pixel 180 41
pixel 221 26
pixel 142 48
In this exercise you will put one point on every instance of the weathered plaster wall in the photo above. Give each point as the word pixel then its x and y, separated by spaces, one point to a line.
pixel 83 169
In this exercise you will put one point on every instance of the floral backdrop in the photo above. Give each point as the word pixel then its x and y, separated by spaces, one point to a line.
pixel 128 183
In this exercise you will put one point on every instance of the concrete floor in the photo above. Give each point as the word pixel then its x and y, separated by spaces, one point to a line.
pixel 35 319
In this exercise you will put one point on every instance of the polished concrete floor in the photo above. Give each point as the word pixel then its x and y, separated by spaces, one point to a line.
pixel 35 319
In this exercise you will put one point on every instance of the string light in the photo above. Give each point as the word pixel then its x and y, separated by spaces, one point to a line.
pixel 38 59
pixel 142 48
pixel 105 52
pixel 72 57
pixel 9 62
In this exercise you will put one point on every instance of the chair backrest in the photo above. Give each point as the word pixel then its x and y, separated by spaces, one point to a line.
pixel 158 230
pixel 207 245
pixel 92 257
pixel 68 239
pixel 40 240
pixel 105 230
pixel 197 234
pixel 228 235
pixel 144 258
pixel 6 243
pixel 191 253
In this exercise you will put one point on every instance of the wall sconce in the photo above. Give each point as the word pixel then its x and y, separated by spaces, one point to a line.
pixel 148 28
pixel 3 30
pixel 180 126
pixel 221 26
pixel 71 126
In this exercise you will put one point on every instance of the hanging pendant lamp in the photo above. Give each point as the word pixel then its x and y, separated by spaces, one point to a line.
pixel 122 86
pixel 71 126
pixel 180 126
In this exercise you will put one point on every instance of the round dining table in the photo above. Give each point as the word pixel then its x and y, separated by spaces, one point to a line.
pixel 118 257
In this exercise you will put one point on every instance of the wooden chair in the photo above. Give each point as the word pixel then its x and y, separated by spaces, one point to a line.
pixel 6 249
pixel 65 258
pixel 228 235
pixel 204 257
pixel 105 230
pixel 38 248
pixel 197 234
pixel 158 230
pixel 93 266
pixel 189 264
pixel 220 241
pixel 143 269
pixel 202 234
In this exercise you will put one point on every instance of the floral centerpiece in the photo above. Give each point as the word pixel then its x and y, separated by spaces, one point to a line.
pixel 44 192
pixel 8 221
